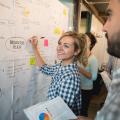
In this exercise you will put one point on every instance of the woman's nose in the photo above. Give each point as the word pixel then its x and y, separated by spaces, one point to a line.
pixel 60 47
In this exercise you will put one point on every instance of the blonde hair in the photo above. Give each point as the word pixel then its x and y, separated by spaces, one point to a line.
pixel 79 44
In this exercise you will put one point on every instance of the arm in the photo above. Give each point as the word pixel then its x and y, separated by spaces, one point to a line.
pixel 44 68
pixel 93 69
pixel 85 73
pixel 39 61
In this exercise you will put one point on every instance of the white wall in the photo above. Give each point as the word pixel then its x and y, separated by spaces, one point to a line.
pixel 100 48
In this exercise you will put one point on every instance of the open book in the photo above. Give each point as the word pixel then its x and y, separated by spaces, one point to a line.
pixel 55 109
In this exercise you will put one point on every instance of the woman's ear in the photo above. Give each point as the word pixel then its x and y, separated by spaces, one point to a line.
pixel 77 52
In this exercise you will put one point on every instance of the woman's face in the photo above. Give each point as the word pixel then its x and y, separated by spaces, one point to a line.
pixel 66 49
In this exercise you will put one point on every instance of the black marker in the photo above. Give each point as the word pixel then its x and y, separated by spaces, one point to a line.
pixel 42 37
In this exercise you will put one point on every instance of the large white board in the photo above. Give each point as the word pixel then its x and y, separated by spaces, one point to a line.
pixel 21 85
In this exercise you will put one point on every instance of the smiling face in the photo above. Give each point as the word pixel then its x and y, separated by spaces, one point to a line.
pixel 66 50
pixel 112 28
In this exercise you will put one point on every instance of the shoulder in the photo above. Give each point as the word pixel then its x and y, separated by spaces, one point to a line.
pixel 57 65
pixel 92 59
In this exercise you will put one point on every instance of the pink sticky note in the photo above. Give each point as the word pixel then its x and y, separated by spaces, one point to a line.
pixel 46 42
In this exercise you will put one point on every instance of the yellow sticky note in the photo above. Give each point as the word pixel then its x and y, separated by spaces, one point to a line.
pixel 57 31
pixel 32 60
pixel 65 12
pixel 26 12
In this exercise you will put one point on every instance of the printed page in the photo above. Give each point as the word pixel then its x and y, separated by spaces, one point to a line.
pixel 55 109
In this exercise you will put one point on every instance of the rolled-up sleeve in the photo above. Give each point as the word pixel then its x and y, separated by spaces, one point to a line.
pixel 48 70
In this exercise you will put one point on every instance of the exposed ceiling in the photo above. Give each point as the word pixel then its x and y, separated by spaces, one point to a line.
pixel 98 7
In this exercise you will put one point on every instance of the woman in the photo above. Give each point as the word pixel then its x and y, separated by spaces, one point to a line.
pixel 65 75
pixel 88 74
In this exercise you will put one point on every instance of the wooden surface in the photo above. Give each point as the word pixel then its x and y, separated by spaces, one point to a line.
pixel 84 118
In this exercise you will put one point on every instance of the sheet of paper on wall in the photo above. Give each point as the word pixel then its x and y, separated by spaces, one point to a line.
pixel 106 78
pixel 55 109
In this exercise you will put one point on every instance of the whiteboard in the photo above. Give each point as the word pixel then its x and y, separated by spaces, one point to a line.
pixel 21 84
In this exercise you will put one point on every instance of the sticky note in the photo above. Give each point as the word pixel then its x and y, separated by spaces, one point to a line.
pixel 46 42
pixel 26 12
pixel 65 12
pixel 32 60
pixel 57 31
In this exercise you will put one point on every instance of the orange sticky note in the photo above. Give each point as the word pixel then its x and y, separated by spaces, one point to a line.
pixel 26 12
pixel 46 42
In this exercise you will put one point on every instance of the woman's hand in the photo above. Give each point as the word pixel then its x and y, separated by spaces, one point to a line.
pixel 34 41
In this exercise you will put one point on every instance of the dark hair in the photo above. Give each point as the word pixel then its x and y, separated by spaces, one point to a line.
pixel 92 39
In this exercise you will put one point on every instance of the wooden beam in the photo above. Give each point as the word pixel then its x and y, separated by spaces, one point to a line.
pixel 94 11
pixel 98 1
pixel 76 17
pixel 102 14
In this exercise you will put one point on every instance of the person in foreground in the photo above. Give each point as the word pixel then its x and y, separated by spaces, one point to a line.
pixel 111 108
pixel 65 75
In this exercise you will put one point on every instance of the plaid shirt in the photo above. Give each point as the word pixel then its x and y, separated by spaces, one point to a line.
pixel 65 83
pixel 111 108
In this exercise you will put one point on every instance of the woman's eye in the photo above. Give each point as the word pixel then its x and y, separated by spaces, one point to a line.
pixel 66 46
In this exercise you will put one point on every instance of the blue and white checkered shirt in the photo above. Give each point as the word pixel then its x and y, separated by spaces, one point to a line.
pixel 111 108
pixel 65 83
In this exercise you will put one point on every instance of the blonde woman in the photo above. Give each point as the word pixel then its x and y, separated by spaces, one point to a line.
pixel 65 75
